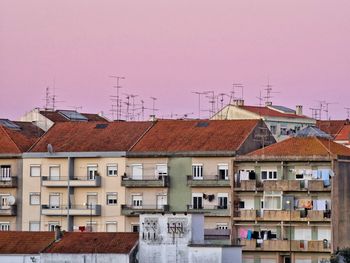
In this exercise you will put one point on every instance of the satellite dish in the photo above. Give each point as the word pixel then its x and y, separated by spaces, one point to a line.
pixel 49 148
pixel 11 200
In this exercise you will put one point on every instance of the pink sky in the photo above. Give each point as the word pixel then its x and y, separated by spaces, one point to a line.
pixel 167 49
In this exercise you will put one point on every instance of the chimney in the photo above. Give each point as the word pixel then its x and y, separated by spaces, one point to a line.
pixel 268 103
pixel 238 102
pixel 299 110
pixel 58 233
pixel 152 117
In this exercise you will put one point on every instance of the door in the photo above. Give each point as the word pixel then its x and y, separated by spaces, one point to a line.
pixel 197 171
pixel 5 172
pixel 223 171
pixel 222 200
pixel 136 171
pixel 91 200
pixel 91 172
pixel 54 173
pixel 137 201
pixel 54 201
pixel 4 201
pixel 197 201
pixel 161 201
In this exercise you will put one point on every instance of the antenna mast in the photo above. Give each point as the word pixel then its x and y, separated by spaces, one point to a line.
pixel 153 105
pixel 347 112
pixel 117 98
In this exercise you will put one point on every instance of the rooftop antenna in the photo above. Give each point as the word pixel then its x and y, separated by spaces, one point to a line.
pixel 260 98
pixel 211 96
pixel 233 92
pixel 133 96
pixel 47 98
pixel 118 100
pixel 268 89
pixel 153 105
pixel 199 93
pixel 316 113
pixel 54 100
pixel 326 107
pixel 347 112
pixel 127 103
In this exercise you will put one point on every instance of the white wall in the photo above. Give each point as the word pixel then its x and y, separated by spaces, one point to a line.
pixel 19 258
pixel 85 258
pixel 207 254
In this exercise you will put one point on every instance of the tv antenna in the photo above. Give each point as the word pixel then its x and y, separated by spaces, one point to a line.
pixel 260 98
pixel 347 112
pixel 269 92
pixel 326 107
pixel 199 93
pixel 133 96
pixel 117 97
pixel 154 106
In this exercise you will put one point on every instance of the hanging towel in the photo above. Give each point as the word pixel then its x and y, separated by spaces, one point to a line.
pixel 249 235
pixel 243 233
pixel 314 174
pixel 325 173
pixel 244 175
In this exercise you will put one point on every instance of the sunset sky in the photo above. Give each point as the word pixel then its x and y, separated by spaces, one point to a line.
pixel 167 49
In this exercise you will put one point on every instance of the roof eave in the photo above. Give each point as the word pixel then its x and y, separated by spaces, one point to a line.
pixel 264 158
pixel 183 154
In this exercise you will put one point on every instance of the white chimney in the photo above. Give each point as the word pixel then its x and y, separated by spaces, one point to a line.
pixel 152 117
pixel 299 110
pixel 268 103
pixel 238 102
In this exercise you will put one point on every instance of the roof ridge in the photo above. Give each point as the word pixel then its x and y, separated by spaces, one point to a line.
pixel 5 131
pixel 320 142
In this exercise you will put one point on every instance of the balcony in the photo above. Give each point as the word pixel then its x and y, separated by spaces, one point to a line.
pixel 82 181
pixel 213 210
pixel 10 182
pixel 8 210
pixel 285 245
pixel 148 181
pixel 74 210
pixel 130 210
pixel 318 186
pixel 282 185
pixel 247 185
pixel 280 215
pixel 208 181
pixel 245 215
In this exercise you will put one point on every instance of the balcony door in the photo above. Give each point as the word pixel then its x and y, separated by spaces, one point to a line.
pixel 137 171
pixel 161 201
pixel 137 201
pixel 91 200
pixel 197 201
pixel 5 172
pixel 197 171
pixel 223 171
pixel 54 201
pixel 91 172
pixel 4 201
pixel 222 200
pixel 54 173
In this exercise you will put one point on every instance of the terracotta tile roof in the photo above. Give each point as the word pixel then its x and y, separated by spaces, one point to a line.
pixel 13 141
pixel 302 147
pixel 265 111
pixel 194 135
pixel 55 116
pixel 343 134
pixel 92 136
pixel 97 242
pixel 331 127
pixel 16 242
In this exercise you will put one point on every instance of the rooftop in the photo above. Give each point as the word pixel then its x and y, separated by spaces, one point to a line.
pixel 16 242
pixel 97 242
pixel 92 136
pixel 70 115
pixel 332 127
pixel 271 112
pixel 196 135
pixel 344 133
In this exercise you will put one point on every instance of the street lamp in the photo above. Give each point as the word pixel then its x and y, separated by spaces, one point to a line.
pixel 290 229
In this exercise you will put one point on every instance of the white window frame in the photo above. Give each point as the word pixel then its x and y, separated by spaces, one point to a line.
pixel 197 171
pixel 197 195
pixel 133 176
pixel 52 225
pixel 220 196
pixel 269 174
pixel 4 201
pixel 59 200
pixel 50 172
pixel 5 172
pixel 112 223
pixel 32 167
pixel 5 226
pixel 161 170
pixel 220 165
pixel 108 198
pixel 32 223
pixel 137 200
pixel 91 226
pixel 112 170
pixel 272 194
pixel 221 226
pixel 91 171
pixel 33 194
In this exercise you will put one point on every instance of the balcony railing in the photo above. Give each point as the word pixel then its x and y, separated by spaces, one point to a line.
pixel 146 181
pixel 82 181
pixel 286 246
pixel 210 210
pixel 208 181
pixel 130 210
pixel 74 210
pixel 10 210
pixel 248 185
pixel 245 215
pixel 10 182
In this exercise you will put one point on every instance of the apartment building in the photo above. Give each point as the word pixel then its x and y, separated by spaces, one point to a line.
pixel 46 118
pixel 72 176
pixel 290 201
pixel 186 166
pixel 283 122
pixel 15 138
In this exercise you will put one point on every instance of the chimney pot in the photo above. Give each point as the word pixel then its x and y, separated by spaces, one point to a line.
pixel 299 110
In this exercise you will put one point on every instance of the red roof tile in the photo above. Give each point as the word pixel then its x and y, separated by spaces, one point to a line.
pixel 265 111
pixel 331 127
pixel 15 242
pixel 302 147
pixel 344 134
pixel 87 137
pixel 14 141
pixel 194 135
pixel 97 242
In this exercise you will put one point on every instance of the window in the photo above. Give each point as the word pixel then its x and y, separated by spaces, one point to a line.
pixel 299 176
pixel 273 129
pixel 269 175
pixel 111 226
pixel 92 172
pixel 35 170
pixel 284 130
pixel 52 225
pixel 197 200
pixel 91 200
pixel 223 171
pixel 112 198
pixel 34 198
pixel 197 171
pixel 112 170
pixel 34 226
pixel 135 228
pixel 161 170
pixel 272 200
pixel 222 200
pixel 137 201
pixel 54 201
pixel 302 233
pixel 91 226
pixel 221 226
pixel 4 201
pixel 5 172
pixel 4 226
pixel 54 172
pixel 136 171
